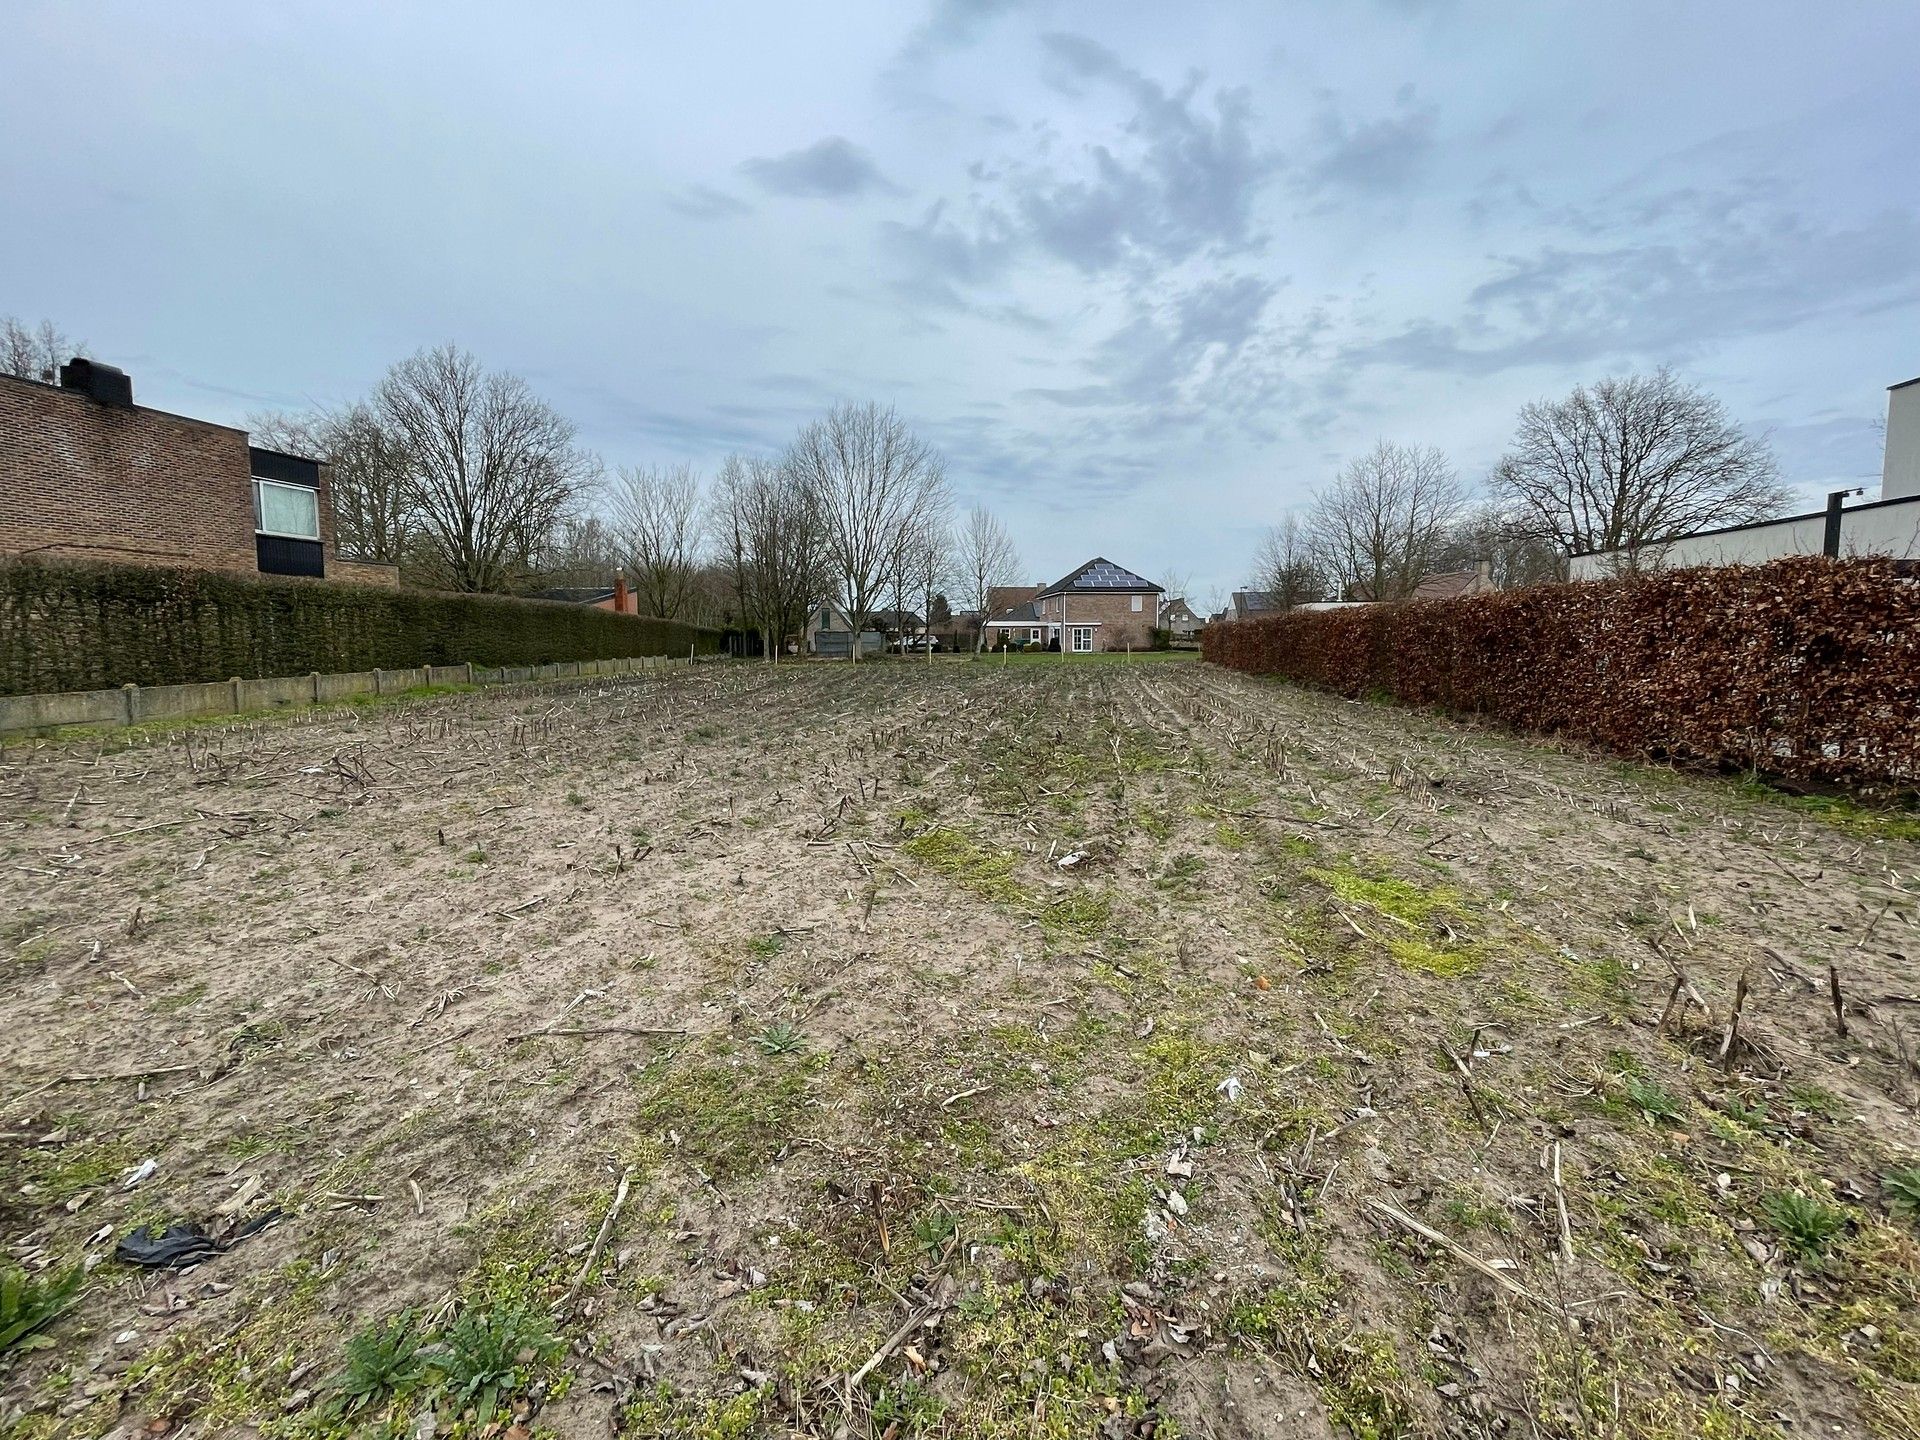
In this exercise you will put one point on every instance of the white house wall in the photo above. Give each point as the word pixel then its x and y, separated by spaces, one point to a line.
pixel 1900 473
pixel 1866 530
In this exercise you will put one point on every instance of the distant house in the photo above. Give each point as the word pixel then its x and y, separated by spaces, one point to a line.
pixel 1099 606
pixel 895 624
pixel 86 474
pixel 830 633
pixel 1246 604
pixel 1887 526
pixel 1455 583
pixel 1446 585
pixel 615 597
pixel 1177 617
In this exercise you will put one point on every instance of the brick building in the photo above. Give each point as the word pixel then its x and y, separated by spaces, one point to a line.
pixel 85 474
pixel 1100 606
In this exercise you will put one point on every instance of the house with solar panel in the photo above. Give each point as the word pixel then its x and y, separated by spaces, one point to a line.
pixel 1100 606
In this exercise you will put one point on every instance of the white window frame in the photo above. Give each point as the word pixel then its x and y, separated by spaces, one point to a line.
pixel 259 510
pixel 1076 634
pixel 1034 635
pixel 1138 603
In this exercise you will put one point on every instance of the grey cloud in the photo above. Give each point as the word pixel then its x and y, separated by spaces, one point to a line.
pixel 703 202
pixel 1178 179
pixel 1379 156
pixel 1686 270
pixel 954 23
pixel 830 169
pixel 1169 357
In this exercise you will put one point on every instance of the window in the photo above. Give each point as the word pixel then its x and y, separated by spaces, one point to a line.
pixel 1082 638
pixel 1034 636
pixel 289 510
pixel 1136 603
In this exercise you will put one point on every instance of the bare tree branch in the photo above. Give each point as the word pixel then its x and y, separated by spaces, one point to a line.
pixel 1379 527
pixel 1633 461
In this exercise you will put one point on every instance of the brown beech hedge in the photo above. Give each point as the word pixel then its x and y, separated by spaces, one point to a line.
pixel 91 627
pixel 1803 668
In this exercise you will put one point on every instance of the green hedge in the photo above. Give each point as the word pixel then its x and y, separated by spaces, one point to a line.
pixel 93 627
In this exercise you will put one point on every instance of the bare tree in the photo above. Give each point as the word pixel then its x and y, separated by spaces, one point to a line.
pixel 657 518
pixel 770 540
pixel 986 562
pixel 1518 553
pixel 1633 461
pixel 1379 527
pixel 1285 567
pixel 491 468
pixel 873 480
pixel 35 352
pixel 584 551
pixel 369 467
pixel 929 565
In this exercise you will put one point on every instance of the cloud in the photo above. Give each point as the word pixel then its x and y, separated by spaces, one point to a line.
pixel 953 25
pixel 1200 350
pixel 1177 178
pixel 1662 277
pixel 1378 156
pixel 830 169
pixel 703 202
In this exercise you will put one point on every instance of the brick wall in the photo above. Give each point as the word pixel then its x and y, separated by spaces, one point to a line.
pixel 1111 610
pixel 82 480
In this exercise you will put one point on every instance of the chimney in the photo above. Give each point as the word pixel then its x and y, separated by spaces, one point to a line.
pixel 105 383
pixel 620 592
pixel 1900 474
pixel 1483 572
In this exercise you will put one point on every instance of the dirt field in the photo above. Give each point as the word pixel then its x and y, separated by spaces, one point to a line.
pixel 1050 1049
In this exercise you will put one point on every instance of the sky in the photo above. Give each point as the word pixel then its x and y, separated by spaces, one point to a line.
pixel 1146 274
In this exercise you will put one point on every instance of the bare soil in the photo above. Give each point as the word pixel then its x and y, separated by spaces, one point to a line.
pixel 1042 1049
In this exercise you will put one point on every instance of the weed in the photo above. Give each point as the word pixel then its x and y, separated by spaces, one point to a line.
pixel 1649 1099
pixel 1902 1190
pixel 780 1038
pixel 484 1357
pixel 1806 1224
pixel 29 1303
pixel 383 1361
pixel 935 1231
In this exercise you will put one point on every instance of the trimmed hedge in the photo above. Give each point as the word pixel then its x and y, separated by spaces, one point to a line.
pixel 92 627
pixel 1805 668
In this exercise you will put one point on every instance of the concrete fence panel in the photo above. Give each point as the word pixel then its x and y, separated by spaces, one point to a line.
pixel 178 702
pixel 134 704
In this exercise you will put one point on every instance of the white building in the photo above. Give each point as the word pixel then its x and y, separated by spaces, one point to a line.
pixel 1887 526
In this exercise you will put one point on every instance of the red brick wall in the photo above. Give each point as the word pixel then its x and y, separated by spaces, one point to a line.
pixel 101 482
pixel 1111 610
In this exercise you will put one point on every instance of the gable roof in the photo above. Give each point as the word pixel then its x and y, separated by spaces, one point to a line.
pixel 1477 580
pixel 1025 613
pixel 1251 602
pixel 1101 573
pixel 576 594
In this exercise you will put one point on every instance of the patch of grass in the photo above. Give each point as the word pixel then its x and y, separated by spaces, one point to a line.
pixel 1649 1099
pixel 663 1414
pixel 494 1353
pixel 30 1303
pixel 382 1361
pixel 1398 898
pixel 1448 962
pixel 1807 1225
pixel 729 1116
pixel 1901 1189
pixel 780 1038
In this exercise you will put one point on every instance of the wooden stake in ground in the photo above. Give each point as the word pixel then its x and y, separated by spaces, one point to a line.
pixel 1839 1009
pixel 1732 1042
